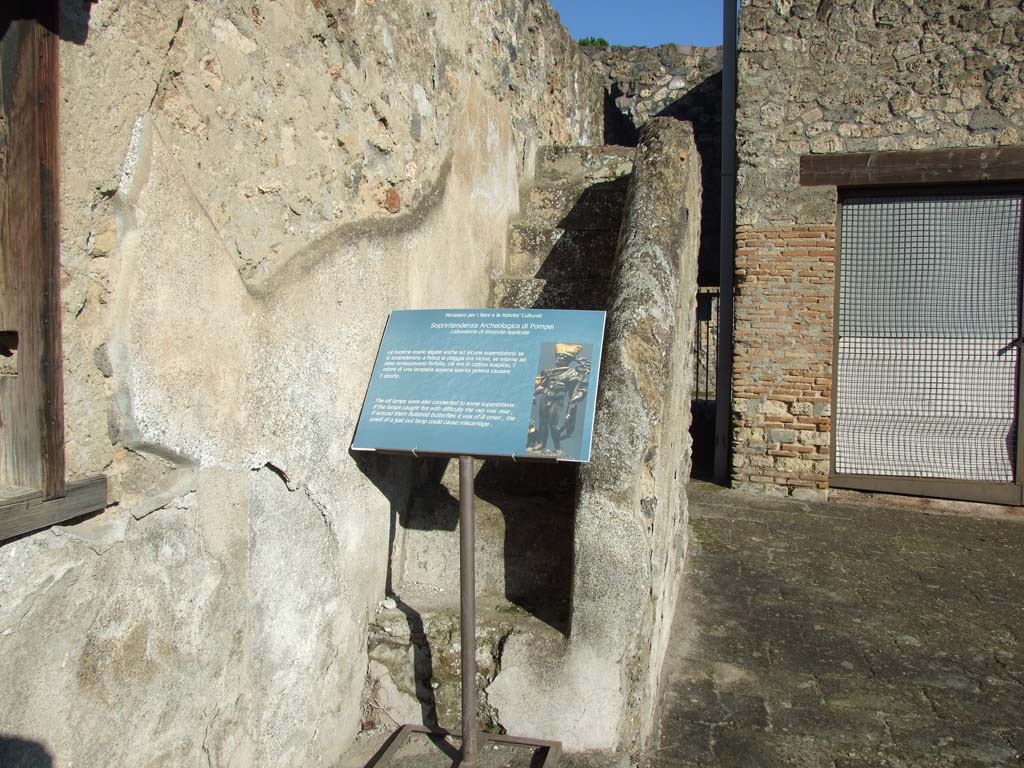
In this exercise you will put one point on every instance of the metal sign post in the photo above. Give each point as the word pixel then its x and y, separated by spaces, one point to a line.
pixel 467 610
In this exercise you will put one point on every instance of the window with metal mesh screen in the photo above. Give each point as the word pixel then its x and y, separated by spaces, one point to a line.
pixel 929 297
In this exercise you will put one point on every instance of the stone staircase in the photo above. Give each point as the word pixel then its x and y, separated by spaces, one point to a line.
pixel 560 256
pixel 561 250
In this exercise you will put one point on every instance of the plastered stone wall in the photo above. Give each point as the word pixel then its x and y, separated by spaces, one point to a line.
pixel 247 189
pixel 826 77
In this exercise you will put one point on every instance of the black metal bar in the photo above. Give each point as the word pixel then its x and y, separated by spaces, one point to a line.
pixel 723 379
pixel 467 618
pixel 1018 464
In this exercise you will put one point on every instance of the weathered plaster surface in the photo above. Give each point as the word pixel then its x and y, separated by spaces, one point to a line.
pixel 248 189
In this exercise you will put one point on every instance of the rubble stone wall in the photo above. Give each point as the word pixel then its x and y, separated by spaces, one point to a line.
pixel 680 81
pixel 825 77
pixel 248 187
pixel 642 82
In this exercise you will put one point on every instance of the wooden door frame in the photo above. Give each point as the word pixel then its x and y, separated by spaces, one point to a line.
pixel 30 250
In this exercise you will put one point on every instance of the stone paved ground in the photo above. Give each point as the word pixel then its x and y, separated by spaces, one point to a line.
pixel 845 636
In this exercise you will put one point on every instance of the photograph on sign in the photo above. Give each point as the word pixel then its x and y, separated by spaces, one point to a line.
pixel 560 389
pixel 485 382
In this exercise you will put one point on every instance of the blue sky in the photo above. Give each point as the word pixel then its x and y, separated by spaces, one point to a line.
pixel 644 22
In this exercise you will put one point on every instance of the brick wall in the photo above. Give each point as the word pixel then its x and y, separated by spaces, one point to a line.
pixel 831 77
pixel 782 377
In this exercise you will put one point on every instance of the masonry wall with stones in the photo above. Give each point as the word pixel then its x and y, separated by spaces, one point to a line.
pixel 248 187
pixel 825 77
pixel 680 81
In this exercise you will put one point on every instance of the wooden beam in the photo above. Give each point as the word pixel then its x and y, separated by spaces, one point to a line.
pixel 935 166
pixel 22 396
pixel 31 511
pixel 31 401
pixel 47 125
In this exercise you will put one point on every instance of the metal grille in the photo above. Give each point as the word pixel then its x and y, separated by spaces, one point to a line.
pixel 705 345
pixel 929 294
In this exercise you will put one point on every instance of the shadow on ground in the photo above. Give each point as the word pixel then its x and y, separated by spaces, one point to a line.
pixel 21 753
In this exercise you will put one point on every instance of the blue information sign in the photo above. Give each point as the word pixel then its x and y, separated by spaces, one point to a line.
pixel 485 382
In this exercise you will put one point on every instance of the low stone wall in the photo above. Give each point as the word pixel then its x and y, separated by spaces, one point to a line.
pixel 247 189
pixel 820 78
pixel 598 690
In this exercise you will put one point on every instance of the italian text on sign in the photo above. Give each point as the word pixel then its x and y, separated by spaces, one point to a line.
pixel 485 382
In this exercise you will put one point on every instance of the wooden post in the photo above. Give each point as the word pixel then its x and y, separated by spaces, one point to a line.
pixel 32 402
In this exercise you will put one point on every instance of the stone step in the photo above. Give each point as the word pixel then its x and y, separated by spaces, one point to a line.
pixel 584 164
pixel 570 206
pixel 415 667
pixel 523 535
pixel 562 254
pixel 523 548
pixel 538 293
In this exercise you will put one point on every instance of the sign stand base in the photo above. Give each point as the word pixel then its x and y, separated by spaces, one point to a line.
pixel 403 734
pixel 469 753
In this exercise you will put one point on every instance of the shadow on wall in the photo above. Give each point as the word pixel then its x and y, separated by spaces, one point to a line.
pixel 396 477
pixel 618 129
pixel 536 501
pixel 578 269
pixel 702 107
pixel 71 23
pixel 19 753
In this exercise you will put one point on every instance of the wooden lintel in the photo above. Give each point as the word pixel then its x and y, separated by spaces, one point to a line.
pixel 935 166
pixel 32 511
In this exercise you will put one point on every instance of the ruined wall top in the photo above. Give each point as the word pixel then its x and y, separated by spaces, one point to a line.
pixel 853 76
pixel 641 82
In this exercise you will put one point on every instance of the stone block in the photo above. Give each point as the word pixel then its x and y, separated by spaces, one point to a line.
pixel 584 165
pixel 595 207
pixel 781 435
pixel 774 408
pixel 801 409
pixel 560 254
